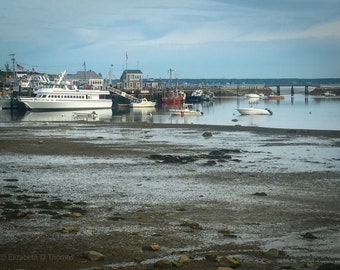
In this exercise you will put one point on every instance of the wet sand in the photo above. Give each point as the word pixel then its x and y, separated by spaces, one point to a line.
pixel 145 204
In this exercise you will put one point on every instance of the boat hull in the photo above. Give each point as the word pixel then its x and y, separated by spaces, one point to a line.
pixel 273 97
pixel 142 105
pixel 252 96
pixel 253 111
pixel 36 104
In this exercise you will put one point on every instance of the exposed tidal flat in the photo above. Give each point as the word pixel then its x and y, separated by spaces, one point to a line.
pixel 105 195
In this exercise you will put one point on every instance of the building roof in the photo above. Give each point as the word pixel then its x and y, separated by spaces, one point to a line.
pixel 80 75
pixel 130 71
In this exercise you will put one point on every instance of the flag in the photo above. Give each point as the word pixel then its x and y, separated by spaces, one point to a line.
pixel 20 67
pixel 126 56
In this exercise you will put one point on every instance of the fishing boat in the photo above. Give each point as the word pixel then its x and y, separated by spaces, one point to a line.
pixel 254 111
pixel 66 97
pixel 188 109
pixel 199 95
pixel 142 103
pixel 173 97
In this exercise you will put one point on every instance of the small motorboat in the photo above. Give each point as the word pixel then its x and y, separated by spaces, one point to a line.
pixel 186 110
pixel 254 111
pixel 142 103
pixel 252 96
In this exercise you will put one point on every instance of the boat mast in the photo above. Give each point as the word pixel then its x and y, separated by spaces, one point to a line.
pixel 110 82
pixel 60 78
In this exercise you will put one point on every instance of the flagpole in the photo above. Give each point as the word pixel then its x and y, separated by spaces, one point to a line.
pixel 14 73
pixel 126 60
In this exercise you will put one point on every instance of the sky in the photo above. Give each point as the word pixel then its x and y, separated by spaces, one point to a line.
pixel 192 38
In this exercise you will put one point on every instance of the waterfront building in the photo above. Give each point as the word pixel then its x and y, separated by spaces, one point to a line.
pixel 131 80
pixel 86 79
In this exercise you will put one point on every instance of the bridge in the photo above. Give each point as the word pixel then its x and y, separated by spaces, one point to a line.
pixel 292 85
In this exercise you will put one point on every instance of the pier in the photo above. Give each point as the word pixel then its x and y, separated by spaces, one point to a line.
pixel 278 87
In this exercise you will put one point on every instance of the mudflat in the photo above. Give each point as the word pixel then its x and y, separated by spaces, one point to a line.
pixel 163 196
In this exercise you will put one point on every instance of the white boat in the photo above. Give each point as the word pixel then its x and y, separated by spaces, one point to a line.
pixel 252 96
pixel 58 98
pixel 67 97
pixel 329 94
pixel 142 103
pixel 186 110
pixel 254 111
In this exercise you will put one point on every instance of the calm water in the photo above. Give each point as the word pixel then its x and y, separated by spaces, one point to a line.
pixel 296 113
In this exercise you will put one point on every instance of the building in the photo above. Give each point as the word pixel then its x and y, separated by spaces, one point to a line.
pixel 86 79
pixel 154 84
pixel 131 80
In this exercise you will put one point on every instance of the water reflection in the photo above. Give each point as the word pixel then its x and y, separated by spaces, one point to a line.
pixel 62 116
pixel 291 112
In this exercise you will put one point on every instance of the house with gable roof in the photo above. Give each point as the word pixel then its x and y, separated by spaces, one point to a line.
pixel 89 78
pixel 131 79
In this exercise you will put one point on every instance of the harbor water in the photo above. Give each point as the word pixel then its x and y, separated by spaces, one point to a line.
pixel 298 112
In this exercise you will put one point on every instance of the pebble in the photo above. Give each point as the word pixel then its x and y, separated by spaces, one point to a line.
pixel 93 255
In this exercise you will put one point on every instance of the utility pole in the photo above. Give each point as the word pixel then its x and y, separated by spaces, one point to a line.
pixel 84 70
pixel 170 71
pixel 110 75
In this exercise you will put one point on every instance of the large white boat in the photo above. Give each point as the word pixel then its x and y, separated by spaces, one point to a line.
pixel 67 97
pixel 58 98
pixel 254 111
pixel 142 103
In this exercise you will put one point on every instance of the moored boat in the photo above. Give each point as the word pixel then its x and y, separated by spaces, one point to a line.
pixel 59 98
pixel 66 97
pixel 186 110
pixel 275 97
pixel 329 94
pixel 252 96
pixel 254 111
pixel 173 97
pixel 142 103
pixel 199 95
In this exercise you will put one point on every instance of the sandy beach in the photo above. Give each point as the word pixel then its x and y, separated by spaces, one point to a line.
pixel 164 196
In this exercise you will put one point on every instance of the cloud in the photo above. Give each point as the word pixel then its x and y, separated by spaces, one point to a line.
pixel 167 32
pixel 320 31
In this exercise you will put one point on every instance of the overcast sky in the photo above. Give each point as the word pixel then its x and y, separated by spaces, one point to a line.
pixel 195 38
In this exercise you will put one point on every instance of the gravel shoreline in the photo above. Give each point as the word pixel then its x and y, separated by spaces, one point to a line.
pixel 166 205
